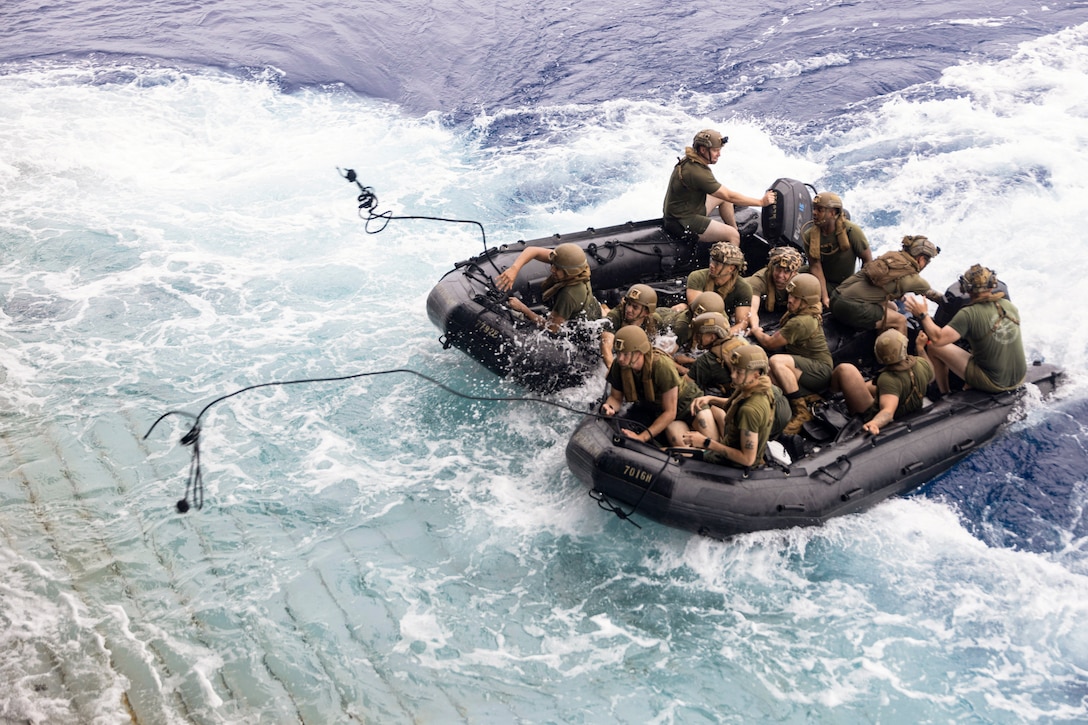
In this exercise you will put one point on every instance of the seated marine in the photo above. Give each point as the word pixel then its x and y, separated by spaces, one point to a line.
pixel 898 389
pixel 679 322
pixel 735 430
pixel 724 277
pixel 991 326
pixel 865 300
pixel 566 291
pixel 803 369
pixel 638 307
pixel 769 284
pixel 694 194
pixel 647 379
pixel 710 371
pixel 834 244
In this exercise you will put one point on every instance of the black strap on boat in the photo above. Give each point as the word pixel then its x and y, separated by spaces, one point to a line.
pixel 368 202
pixel 838 468
pixel 606 503
pixel 194 486
pixel 591 251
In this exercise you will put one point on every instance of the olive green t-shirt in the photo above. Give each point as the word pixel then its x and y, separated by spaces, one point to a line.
pixel 760 284
pixel 576 302
pixel 710 375
pixel 838 264
pixel 899 383
pixel 740 296
pixel 689 186
pixel 754 415
pixel 996 345
pixel 664 377
pixel 804 335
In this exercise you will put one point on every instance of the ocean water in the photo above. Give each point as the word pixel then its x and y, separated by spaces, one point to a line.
pixel 174 227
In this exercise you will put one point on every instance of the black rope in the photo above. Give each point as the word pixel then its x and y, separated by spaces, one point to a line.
pixel 368 202
pixel 607 504
pixel 194 486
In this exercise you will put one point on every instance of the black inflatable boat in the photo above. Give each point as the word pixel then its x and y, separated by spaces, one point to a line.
pixel 841 469
pixel 473 316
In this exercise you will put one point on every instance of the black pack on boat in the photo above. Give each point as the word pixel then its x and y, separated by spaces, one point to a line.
pixel 849 472
pixel 473 316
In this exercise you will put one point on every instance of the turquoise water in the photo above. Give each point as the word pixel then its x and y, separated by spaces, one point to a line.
pixel 380 550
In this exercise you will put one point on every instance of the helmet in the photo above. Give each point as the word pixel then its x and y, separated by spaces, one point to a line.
pixel 711 322
pixel 709 138
pixel 728 253
pixel 709 301
pixel 631 338
pixel 890 347
pixel 787 257
pixel 919 245
pixel 805 287
pixel 568 256
pixel 643 294
pixel 749 357
pixel 827 199
pixel 977 279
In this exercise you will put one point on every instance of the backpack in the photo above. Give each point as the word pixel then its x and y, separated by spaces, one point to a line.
pixel 889 267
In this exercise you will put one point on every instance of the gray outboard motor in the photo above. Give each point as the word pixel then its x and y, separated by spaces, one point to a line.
pixel 782 222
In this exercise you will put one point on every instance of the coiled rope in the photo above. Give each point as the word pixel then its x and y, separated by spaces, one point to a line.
pixel 194 485
pixel 368 201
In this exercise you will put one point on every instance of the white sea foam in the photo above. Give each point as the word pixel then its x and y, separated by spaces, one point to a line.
pixel 380 546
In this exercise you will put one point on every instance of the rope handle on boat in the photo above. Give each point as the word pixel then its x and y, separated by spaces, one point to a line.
pixel 602 499
pixel 194 485
pixel 368 202
pixel 608 505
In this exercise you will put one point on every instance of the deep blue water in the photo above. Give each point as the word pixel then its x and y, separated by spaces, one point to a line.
pixel 173 227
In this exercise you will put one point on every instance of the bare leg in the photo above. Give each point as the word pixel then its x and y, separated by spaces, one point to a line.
pixel 719 232
pixel 893 319
pixel 725 211
pixel 855 390
pixel 784 374
pixel 947 358
pixel 675 433
pixel 705 422
pixel 724 230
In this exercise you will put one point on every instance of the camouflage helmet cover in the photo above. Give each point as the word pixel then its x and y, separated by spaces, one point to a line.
pixel 978 279
pixel 727 253
pixel 890 347
pixel 787 257
pixel 919 246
